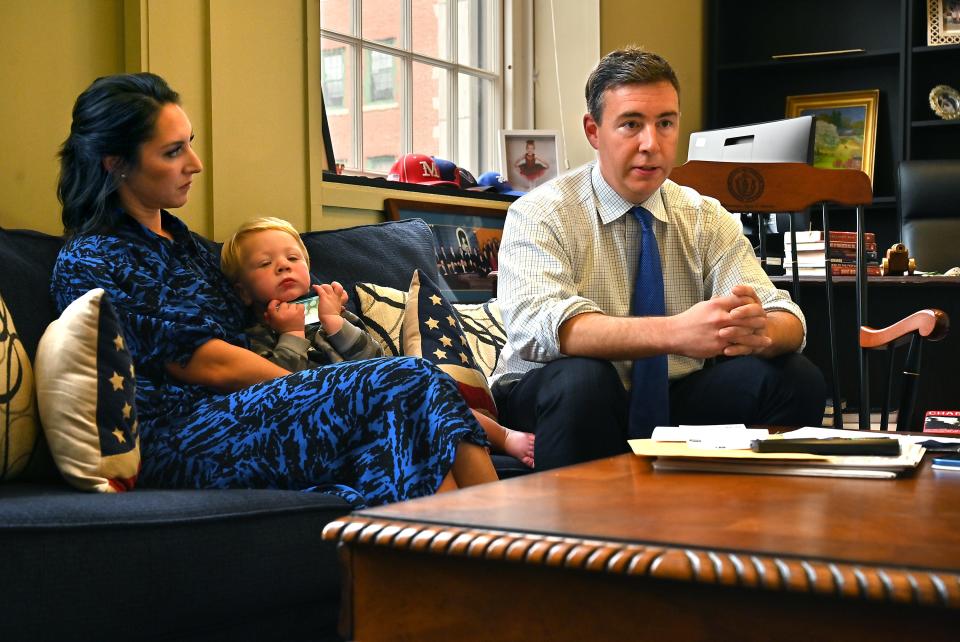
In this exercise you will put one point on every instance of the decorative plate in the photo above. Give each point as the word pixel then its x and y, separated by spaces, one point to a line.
pixel 945 102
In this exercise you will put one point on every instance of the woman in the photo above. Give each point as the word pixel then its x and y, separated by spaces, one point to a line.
pixel 213 414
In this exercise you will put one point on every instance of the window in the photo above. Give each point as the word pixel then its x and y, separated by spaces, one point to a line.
pixel 333 78
pixel 422 76
pixel 378 84
pixel 379 163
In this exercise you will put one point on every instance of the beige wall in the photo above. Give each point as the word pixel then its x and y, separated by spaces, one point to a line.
pixel 587 29
pixel 558 95
pixel 240 67
pixel 258 102
pixel 169 38
pixel 676 32
pixel 248 73
pixel 49 51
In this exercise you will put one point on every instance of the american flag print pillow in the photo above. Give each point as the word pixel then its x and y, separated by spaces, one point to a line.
pixel 432 330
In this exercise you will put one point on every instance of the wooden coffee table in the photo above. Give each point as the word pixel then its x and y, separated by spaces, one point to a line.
pixel 611 550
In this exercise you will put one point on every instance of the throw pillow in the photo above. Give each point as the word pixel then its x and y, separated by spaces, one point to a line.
pixel 19 427
pixel 86 389
pixel 432 330
pixel 483 326
pixel 381 309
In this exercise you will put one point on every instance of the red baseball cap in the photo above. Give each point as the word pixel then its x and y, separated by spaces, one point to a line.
pixel 417 168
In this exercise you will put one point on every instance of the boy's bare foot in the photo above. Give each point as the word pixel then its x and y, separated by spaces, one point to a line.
pixel 520 445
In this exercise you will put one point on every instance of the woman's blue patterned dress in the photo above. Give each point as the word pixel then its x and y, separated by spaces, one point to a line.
pixel 372 431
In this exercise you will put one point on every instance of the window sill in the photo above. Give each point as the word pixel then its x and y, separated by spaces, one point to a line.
pixel 362 192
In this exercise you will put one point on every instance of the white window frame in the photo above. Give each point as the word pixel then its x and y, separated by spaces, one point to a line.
pixel 505 9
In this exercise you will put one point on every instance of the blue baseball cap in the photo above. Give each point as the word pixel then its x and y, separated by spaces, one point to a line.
pixel 448 170
pixel 499 184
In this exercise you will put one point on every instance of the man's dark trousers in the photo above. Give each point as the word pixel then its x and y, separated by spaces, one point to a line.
pixel 577 406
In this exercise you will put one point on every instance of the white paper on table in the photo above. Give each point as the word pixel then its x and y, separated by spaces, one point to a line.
pixel 712 437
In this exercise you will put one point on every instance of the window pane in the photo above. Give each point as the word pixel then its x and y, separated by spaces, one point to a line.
pixel 476 42
pixel 337 76
pixel 379 163
pixel 382 118
pixel 381 20
pixel 475 125
pixel 380 72
pixel 431 22
pixel 336 15
pixel 430 101
pixel 334 76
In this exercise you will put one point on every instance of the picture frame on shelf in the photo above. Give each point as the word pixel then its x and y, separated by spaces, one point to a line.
pixel 846 127
pixel 466 241
pixel 529 157
pixel 945 102
pixel 943 22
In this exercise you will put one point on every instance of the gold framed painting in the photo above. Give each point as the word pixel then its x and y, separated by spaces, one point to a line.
pixel 846 127
pixel 943 22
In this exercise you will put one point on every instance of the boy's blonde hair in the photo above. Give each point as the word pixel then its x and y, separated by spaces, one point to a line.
pixel 230 259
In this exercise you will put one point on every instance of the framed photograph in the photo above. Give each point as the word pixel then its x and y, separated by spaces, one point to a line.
pixel 846 127
pixel 945 102
pixel 466 240
pixel 943 22
pixel 529 157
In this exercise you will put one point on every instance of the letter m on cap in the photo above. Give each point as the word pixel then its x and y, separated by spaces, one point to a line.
pixel 428 168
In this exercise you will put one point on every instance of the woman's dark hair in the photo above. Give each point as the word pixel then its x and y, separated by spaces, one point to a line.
pixel 114 116
pixel 628 66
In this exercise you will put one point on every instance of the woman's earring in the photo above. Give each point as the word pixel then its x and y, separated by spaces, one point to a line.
pixel 123 177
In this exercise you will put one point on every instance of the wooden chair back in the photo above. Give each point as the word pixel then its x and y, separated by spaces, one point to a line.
pixel 792 187
pixel 774 187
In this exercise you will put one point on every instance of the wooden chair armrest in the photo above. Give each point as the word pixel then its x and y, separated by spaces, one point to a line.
pixel 932 324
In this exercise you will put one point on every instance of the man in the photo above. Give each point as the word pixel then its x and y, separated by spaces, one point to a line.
pixel 580 334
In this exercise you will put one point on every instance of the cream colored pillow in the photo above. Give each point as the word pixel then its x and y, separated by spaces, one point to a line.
pixel 483 327
pixel 381 310
pixel 86 390
pixel 19 427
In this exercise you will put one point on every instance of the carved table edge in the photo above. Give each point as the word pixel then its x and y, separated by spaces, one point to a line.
pixel 921 587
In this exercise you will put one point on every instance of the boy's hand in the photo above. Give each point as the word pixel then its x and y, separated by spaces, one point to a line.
pixel 284 317
pixel 343 294
pixel 331 298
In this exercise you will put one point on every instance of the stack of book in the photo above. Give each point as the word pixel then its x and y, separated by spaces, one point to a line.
pixel 852 420
pixel 735 449
pixel 813 254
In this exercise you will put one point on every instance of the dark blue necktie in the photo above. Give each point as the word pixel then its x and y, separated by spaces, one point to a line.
pixel 649 396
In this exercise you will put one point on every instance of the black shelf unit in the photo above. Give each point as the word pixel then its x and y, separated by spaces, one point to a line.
pixel 885 45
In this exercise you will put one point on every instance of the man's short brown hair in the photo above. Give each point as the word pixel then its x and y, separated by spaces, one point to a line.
pixel 627 66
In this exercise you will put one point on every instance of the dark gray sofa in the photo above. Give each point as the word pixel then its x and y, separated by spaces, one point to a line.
pixel 178 564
